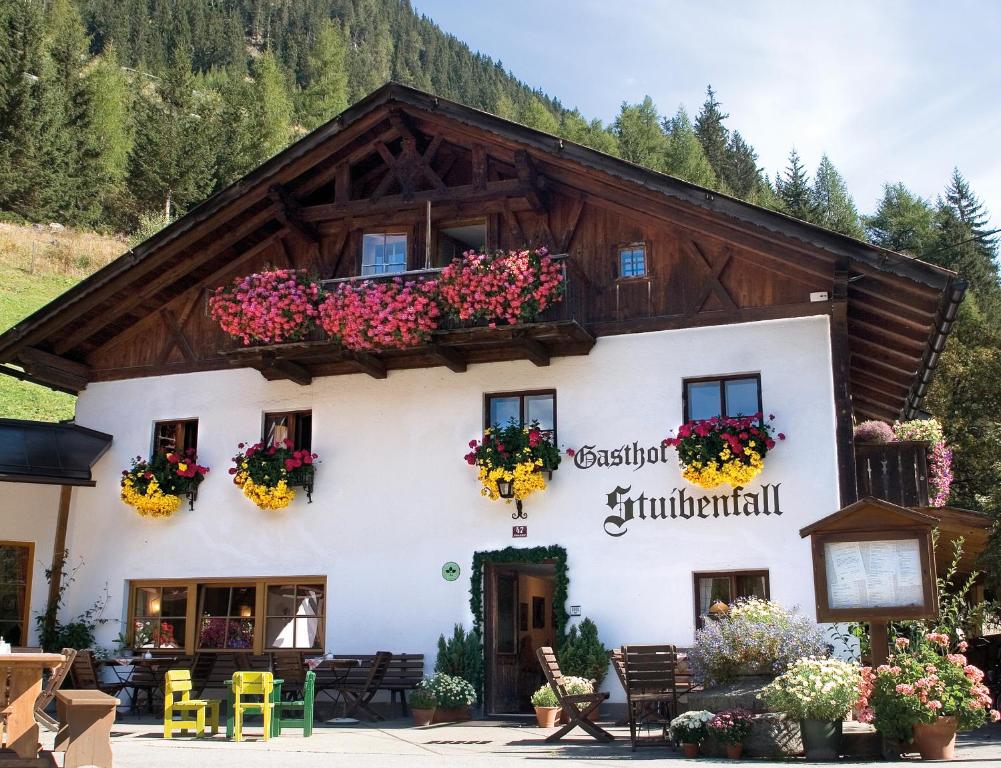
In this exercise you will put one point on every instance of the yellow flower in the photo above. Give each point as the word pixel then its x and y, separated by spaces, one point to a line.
pixel 525 477
pixel 153 503
pixel 182 467
pixel 276 496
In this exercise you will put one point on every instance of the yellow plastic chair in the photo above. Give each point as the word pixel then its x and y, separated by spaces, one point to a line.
pixel 252 694
pixel 177 699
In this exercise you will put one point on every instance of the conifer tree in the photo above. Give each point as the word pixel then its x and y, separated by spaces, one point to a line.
pixel 741 175
pixel 641 139
pixel 326 91
pixel 684 156
pixel 536 115
pixel 272 105
pixel 902 222
pixel 834 207
pixel 793 188
pixel 713 135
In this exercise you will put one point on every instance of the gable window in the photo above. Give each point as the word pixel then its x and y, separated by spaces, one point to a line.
pixel 632 260
pixel 524 408
pixel 294 425
pixel 383 253
pixel 16 560
pixel 730 396
pixel 727 587
pixel 455 238
pixel 170 436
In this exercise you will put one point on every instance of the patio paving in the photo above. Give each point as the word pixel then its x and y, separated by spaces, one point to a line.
pixel 395 744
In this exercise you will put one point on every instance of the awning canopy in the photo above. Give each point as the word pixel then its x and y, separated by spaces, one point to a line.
pixel 55 454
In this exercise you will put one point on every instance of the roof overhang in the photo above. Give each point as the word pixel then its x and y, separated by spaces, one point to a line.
pixel 48 453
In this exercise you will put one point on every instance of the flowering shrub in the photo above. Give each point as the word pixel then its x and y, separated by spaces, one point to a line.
pixel 723 450
pixel 264 473
pixel 544 697
pixel 450 692
pixel 267 307
pixel 691 727
pixel 154 488
pixel 217 632
pixel 514 453
pixel 874 432
pixel 939 455
pixel 756 637
pixel 421 698
pixel 921 683
pixel 815 689
pixel 578 686
pixel 513 287
pixel 380 315
pixel 732 726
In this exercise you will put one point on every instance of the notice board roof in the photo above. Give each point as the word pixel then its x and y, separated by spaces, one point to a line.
pixel 49 453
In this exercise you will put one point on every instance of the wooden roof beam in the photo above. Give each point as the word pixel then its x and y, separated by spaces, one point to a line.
pixel 369 364
pixel 534 350
pixel 43 365
pixel 289 214
pixel 533 182
pixel 450 357
pixel 287 370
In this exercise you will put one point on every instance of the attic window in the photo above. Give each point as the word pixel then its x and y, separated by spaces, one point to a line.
pixel 632 260
pixel 383 253
pixel 455 238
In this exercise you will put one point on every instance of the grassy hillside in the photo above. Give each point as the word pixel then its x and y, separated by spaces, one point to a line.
pixel 36 265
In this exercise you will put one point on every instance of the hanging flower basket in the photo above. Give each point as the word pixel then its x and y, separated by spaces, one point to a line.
pixel 723 450
pixel 154 488
pixel 513 460
pixel 269 307
pixel 267 474
pixel 370 315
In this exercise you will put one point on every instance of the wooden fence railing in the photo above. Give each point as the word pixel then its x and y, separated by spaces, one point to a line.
pixel 895 472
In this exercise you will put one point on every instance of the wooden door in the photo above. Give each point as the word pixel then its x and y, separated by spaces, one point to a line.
pixel 503 643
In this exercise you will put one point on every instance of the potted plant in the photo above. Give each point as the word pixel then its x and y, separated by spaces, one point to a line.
pixel 266 473
pixel 453 697
pixel 577 686
pixel 926 693
pixel 689 729
pixel 819 693
pixel 269 307
pixel 371 315
pixel 154 488
pixel 723 450
pixel 730 728
pixel 422 704
pixel 583 654
pixel 546 706
pixel 510 460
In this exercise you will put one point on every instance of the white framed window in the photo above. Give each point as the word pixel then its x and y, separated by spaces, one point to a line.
pixel 383 253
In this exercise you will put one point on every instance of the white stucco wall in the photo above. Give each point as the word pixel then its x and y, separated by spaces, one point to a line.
pixel 394 500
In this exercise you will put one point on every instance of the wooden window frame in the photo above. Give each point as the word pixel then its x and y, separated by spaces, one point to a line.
pixel 260 583
pixel 28 573
pixel 407 230
pixel 293 417
pixel 632 246
pixel 722 390
pixel 183 423
pixel 732 576
pixel 521 394
pixel 267 616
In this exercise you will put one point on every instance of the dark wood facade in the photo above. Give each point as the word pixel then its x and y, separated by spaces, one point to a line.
pixel 402 158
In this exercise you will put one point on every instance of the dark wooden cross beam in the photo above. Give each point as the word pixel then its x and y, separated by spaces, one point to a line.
pixel 479 161
pixel 533 182
pixel 273 367
pixel 407 168
pixel 563 246
pixel 712 285
pixel 175 330
pixel 450 357
pixel 289 213
pixel 369 364
pixel 66 373
pixel 534 350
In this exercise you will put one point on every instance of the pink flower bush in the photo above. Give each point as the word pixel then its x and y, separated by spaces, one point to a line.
pixel 512 287
pixel 939 456
pixel 380 315
pixel 267 307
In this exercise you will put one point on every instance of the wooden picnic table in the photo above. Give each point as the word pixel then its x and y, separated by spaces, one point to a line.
pixel 17 698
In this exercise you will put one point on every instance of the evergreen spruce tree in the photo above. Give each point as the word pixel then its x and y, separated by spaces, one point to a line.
pixel 713 135
pixel 793 188
pixel 684 156
pixel 834 207
pixel 535 114
pixel 641 139
pixel 326 91
pixel 903 221
pixel 741 175
pixel 272 105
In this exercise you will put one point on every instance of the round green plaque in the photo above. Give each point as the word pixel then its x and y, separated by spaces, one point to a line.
pixel 450 571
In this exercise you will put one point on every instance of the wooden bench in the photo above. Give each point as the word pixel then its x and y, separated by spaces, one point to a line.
pixel 85 720
pixel 405 671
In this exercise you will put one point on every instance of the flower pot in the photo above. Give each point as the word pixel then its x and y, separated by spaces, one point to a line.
pixel 451 714
pixel 688 749
pixel 734 751
pixel 936 741
pixel 422 716
pixel 546 716
pixel 821 739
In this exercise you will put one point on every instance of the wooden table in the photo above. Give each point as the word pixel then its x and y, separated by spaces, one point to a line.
pixel 85 720
pixel 156 667
pixel 22 673
pixel 340 667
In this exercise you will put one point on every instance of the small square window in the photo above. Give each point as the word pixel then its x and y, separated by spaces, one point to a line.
pixel 632 261
pixel 730 396
pixel 383 253
pixel 727 588
pixel 170 436
pixel 524 408
pixel 294 425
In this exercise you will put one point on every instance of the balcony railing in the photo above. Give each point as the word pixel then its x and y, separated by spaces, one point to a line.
pixel 895 472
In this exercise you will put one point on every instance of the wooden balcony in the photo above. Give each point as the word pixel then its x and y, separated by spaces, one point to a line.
pixel 560 331
pixel 895 472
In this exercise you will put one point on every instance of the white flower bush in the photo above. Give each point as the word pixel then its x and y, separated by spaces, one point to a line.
pixel 450 692
pixel 691 727
pixel 815 689
pixel 578 686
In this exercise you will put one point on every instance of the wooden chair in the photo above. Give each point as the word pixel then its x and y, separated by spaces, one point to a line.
pixel 201 668
pixel 56 679
pixel 177 698
pixel 290 667
pixel 358 697
pixel 651 690
pixel 252 694
pixel 83 673
pixel 576 707
pixel 303 707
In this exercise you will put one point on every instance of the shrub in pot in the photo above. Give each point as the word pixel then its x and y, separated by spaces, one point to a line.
pixel 819 693
pixel 731 728
pixel 453 697
pixel 577 686
pixel 546 706
pixel 461 655
pixel 689 729
pixel 422 704
pixel 928 693
pixel 582 654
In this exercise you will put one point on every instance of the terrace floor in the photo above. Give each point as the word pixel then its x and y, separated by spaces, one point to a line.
pixel 396 744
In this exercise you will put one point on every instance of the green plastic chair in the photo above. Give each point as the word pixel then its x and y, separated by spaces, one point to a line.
pixel 304 707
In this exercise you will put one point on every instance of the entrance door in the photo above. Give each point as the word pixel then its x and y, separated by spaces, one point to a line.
pixel 519 620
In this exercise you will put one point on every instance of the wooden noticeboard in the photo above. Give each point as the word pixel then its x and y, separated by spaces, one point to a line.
pixel 873 561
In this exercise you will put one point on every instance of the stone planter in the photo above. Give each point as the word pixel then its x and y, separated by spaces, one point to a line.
pixel 546 716
pixel 936 741
pixel 422 716
pixel 451 715
pixel 821 739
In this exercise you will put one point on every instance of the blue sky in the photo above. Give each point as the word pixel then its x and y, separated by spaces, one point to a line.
pixel 892 91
